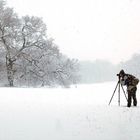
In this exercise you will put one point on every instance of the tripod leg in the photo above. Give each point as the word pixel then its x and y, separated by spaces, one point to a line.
pixel 119 95
pixel 113 93
pixel 124 92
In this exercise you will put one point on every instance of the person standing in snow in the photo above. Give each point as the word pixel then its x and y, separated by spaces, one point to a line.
pixel 131 83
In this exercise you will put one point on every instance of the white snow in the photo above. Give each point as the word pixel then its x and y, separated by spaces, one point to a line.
pixel 80 113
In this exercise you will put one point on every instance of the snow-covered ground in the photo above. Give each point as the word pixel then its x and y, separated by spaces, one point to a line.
pixel 80 113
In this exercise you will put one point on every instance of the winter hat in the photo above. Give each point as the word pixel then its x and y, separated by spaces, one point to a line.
pixel 122 72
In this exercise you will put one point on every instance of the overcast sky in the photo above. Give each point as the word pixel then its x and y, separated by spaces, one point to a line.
pixel 89 29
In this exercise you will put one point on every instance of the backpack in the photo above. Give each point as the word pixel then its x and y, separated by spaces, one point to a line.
pixel 135 81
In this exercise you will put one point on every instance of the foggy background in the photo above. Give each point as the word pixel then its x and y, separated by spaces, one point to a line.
pixel 103 35
pixel 102 70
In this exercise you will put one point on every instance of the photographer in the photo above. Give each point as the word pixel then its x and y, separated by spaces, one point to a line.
pixel 131 82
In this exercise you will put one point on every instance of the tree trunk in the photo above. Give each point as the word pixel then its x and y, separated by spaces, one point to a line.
pixel 10 71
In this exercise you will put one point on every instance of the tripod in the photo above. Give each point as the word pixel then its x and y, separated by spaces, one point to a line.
pixel 119 85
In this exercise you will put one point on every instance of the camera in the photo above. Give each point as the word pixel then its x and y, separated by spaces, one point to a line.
pixel 118 75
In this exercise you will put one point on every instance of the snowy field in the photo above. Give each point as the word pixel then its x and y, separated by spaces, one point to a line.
pixel 77 113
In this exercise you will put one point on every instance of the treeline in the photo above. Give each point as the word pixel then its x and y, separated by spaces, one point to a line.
pixel 102 71
pixel 132 65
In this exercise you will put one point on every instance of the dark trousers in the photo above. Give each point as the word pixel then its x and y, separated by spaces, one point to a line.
pixel 132 95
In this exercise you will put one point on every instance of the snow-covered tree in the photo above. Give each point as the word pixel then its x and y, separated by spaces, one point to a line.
pixel 8 27
pixel 30 56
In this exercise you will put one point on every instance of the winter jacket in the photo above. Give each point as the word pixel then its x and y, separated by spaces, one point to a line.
pixel 130 81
